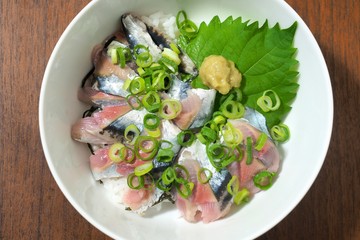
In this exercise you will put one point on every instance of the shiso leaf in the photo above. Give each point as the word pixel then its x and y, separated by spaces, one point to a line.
pixel 265 56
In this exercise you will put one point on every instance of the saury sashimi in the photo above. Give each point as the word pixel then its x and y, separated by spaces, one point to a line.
pixel 91 129
pixel 197 104
pixel 268 158
pixel 209 201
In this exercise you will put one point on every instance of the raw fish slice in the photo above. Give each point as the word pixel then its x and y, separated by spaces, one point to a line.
pixel 94 97
pixel 197 104
pixel 268 158
pixel 117 127
pixel 136 200
pixel 210 201
pixel 136 33
pixel 191 106
pixel 169 133
pixel 269 155
pixel 87 130
pixel 162 39
pixel 90 129
pixel 102 166
pixel 110 77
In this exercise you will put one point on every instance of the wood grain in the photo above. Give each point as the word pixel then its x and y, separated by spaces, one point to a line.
pixel 33 207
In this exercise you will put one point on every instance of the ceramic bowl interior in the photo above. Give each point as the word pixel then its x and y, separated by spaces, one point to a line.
pixel 310 122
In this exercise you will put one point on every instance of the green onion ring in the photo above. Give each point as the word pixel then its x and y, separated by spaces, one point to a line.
pixel 143 169
pixel 185 138
pixel 117 152
pixel 249 149
pixel 264 180
pixel 131 133
pixel 184 189
pixel 151 121
pixel 280 133
pixel 140 181
pixel 261 141
pixel 165 155
pixel 233 185
pixel 151 101
pixel 265 102
pixel 241 196
pixel 206 172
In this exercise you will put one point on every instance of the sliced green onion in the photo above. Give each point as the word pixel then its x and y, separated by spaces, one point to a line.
pixel 171 55
pixel 264 179
pixel 280 133
pixel 137 85
pixel 232 109
pixel 227 161
pixel 241 196
pixel 135 182
pixel 131 133
pixel 143 169
pixel 114 56
pixel 168 176
pixel 117 152
pixel 134 102
pixel 181 173
pixel 233 185
pixel 169 64
pixel 160 80
pixel 216 154
pixel 127 84
pixel 162 186
pixel 165 155
pixel 261 141
pixel 207 134
pixel 143 56
pixel 170 109
pixel 201 173
pixel 156 133
pixel 184 189
pixel 146 144
pixel 144 59
pixel 165 144
pixel 219 119
pixel 174 48
pixel 185 138
pixel 266 103
pixel 186 27
pixel 232 136
pixel 130 155
pixel 249 149
pixel 151 121
pixel 151 101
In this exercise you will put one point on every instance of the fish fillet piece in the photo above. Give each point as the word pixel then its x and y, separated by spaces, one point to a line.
pixel 137 200
pixel 268 158
pixel 209 201
pixel 90 129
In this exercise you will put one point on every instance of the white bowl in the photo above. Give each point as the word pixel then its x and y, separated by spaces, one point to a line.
pixel 310 121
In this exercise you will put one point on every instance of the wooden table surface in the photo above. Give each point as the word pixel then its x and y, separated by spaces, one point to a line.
pixel 33 207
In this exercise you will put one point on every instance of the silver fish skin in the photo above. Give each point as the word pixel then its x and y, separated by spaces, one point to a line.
pixel 178 89
pixel 136 33
pixel 110 85
pixel 164 40
pixel 117 127
pixel 169 133
pixel 207 97
pixel 257 120
pixel 219 179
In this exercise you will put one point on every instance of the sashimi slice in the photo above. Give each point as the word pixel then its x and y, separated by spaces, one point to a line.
pixel 90 129
pixel 209 201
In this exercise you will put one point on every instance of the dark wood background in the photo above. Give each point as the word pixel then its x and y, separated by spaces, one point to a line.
pixel 33 207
